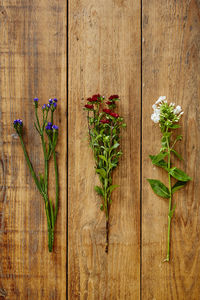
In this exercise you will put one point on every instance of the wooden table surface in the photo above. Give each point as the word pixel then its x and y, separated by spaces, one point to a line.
pixel 139 50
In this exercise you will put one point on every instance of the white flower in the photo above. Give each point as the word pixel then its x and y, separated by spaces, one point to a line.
pixel 154 106
pixel 172 104
pixel 160 99
pixel 155 118
pixel 177 110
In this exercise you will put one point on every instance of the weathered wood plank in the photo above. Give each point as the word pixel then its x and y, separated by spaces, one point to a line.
pixel 104 56
pixel 32 63
pixel 171 44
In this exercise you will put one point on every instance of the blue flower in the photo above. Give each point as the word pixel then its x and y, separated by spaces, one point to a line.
pixel 35 99
pixel 55 100
pixel 44 106
pixel 18 125
pixel 50 101
pixel 55 127
pixel 48 127
pixel 55 104
pixel 18 122
pixel 48 105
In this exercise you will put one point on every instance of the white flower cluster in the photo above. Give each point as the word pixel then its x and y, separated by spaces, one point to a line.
pixel 155 117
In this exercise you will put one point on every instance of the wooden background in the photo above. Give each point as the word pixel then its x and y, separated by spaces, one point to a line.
pixel 139 50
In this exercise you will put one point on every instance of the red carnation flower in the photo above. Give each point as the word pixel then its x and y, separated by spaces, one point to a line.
pixel 113 97
pixel 114 115
pixel 96 97
pixel 107 111
pixel 105 121
pixel 89 106
pixel 109 103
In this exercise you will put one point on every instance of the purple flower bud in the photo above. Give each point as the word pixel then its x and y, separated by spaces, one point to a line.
pixel 49 124
pixel 35 99
pixel 48 127
pixel 55 100
pixel 55 105
pixel 55 127
pixel 50 101
pixel 48 105
pixel 44 106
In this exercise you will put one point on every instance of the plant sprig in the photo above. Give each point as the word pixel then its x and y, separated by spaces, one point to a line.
pixel 104 135
pixel 168 116
pixel 49 136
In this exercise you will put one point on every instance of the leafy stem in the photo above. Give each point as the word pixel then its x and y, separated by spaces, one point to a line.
pixel 104 135
pixel 170 198
pixel 48 147
pixel 168 116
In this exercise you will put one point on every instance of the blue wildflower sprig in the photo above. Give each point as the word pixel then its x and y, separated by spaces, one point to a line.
pixel 48 132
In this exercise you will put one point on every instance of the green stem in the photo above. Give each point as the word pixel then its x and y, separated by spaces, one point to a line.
pixel 170 203
pixel 30 165
pixel 46 164
pixel 38 123
pixel 49 224
pixel 57 185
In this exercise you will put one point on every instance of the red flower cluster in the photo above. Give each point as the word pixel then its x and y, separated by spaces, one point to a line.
pixel 113 97
pixel 105 121
pixel 109 112
pixel 89 106
pixel 95 98
pixel 114 115
pixel 109 102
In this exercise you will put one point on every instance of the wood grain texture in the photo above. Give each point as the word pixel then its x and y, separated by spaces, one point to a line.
pixel 171 45
pixel 104 56
pixel 32 63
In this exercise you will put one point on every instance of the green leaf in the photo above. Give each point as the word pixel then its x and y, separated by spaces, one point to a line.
pixel 172 211
pixel 156 158
pixel 159 188
pixel 179 174
pixel 161 163
pixel 103 158
pixel 102 172
pixel 101 207
pixel 99 190
pixel 167 134
pixel 116 145
pixel 179 137
pixel 177 154
pixel 111 188
pixel 178 185
pixel 174 126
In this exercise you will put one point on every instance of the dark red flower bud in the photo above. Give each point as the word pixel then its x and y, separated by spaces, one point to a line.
pixel 109 102
pixel 105 121
pixel 114 115
pixel 107 111
pixel 113 97
pixel 89 106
